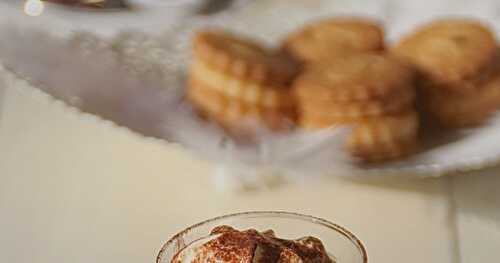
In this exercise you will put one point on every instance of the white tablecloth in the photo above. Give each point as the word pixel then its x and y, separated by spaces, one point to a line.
pixel 54 212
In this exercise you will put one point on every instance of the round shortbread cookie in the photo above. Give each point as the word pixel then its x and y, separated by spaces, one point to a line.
pixel 380 129
pixel 459 110
pixel 400 101
pixel 243 58
pixel 334 38
pixel 449 51
pixel 359 77
pixel 375 139
pixel 260 95
pixel 384 152
pixel 233 113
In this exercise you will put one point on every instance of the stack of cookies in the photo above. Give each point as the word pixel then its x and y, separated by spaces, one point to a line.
pixel 372 93
pixel 348 81
pixel 240 84
pixel 335 73
pixel 459 71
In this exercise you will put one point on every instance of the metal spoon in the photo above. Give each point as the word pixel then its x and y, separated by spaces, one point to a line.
pixel 211 7
pixel 107 3
pixel 98 4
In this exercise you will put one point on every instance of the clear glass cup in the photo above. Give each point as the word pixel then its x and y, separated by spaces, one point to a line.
pixel 338 241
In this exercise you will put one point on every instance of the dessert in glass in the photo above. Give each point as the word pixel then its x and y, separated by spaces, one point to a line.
pixel 264 237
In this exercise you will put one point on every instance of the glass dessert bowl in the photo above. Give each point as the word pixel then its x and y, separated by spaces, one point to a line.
pixel 293 230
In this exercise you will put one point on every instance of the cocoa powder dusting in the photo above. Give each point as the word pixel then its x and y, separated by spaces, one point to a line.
pixel 250 246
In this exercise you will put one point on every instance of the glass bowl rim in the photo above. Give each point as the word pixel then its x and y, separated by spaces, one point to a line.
pixel 335 227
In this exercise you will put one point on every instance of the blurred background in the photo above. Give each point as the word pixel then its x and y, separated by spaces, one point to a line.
pixel 76 188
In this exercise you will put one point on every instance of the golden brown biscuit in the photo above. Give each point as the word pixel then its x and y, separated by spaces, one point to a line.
pixel 459 63
pixel 232 112
pixel 459 110
pixel 374 93
pixel 377 138
pixel 385 128
pixel 359 77
pixel 236 81
pixel 262 95
pixel 384 152
pixel 333 38
pixel 242 58
pixel 400 101
pixel 449 51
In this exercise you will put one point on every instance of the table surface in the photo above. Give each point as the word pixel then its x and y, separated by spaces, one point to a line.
pixel 50 211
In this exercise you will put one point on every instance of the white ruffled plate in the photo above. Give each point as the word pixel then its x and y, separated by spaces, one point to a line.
pixel 442 154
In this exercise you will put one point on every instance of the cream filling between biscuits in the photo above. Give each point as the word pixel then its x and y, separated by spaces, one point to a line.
pixel 225 111
pixel 385 134
pixel 252 93
pixel 363 108
pixel 384 130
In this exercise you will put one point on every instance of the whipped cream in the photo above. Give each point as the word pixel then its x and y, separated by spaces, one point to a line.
pixel 228 245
